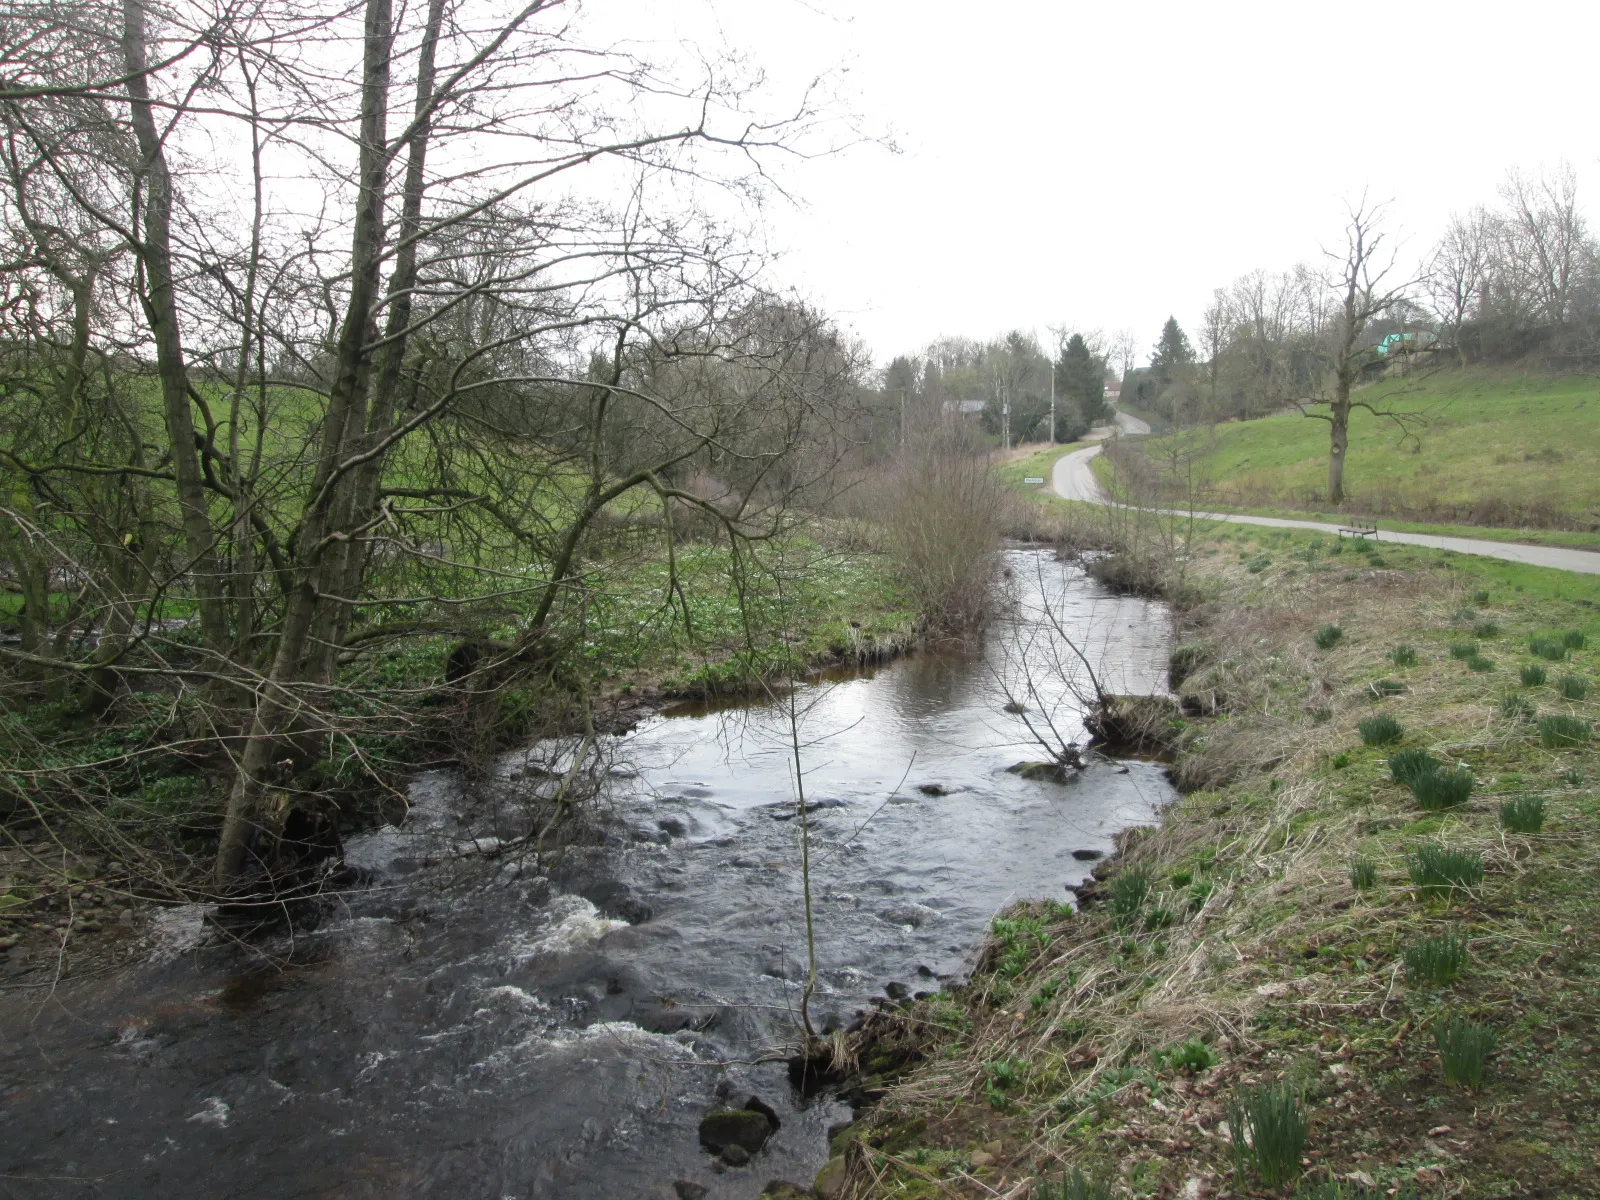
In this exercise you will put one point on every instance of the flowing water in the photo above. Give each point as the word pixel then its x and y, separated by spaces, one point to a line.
pixel 481 1028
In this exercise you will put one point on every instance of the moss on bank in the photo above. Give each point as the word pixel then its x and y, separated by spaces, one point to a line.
pixel 1259 934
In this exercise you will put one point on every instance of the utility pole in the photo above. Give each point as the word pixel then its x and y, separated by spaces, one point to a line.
pixel 1052 404
pixel 1005 414
pixel 902 417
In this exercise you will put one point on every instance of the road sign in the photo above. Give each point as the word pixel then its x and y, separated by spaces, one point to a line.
pixel 1033 479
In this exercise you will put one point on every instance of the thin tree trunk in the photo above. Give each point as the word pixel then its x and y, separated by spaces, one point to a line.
pixel 159 298
pixel 251 826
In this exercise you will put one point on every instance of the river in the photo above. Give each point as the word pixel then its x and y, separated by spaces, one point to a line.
pixel 476 1027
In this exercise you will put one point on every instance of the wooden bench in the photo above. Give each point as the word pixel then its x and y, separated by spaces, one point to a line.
pixel 1358 531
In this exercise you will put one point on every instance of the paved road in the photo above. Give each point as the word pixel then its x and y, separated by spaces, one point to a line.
pixel 1073 479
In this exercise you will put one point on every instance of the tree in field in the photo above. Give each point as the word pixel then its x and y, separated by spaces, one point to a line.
pixel 1366 286
pixel 1080 378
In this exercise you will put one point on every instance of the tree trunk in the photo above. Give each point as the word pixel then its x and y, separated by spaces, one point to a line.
pixel 159 298
pixel 1338 443
pixel 251 826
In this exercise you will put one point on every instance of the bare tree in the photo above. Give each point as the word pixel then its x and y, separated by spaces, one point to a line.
pixel 1459 272
pixel 1367 283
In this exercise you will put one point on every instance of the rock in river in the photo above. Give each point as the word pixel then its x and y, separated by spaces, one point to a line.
pixel 746 1128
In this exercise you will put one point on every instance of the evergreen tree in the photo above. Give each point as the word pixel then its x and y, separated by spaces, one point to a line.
pixel 1081 379
pixel 1173 352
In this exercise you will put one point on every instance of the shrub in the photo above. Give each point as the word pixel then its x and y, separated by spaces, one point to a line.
pixel 1464 1050
pixel 1256 566
pixel 1403 656
pixel 1486 629
pixel 1074 1185
pixel 1440 789
pixel 1328 637
pixel 1480 597
pixel 1524 814
pixel 1547 647
pixel 1559 731
pixel 1573 639
pixel 1572 777
pixel 1129 890
pixel 1518 708
pixel 1363 874
pixel 1381 730
pixel 1385 687
pixel 1436 959
pixel 1534 674
pixel 1479 663
pixel 1439 872
pixel 1464 650
pixel 1573 687
pixel 1277 1125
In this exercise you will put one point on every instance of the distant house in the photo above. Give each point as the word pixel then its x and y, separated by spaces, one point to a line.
pixel 1404 343
pixel 1114 390
pixel 967 408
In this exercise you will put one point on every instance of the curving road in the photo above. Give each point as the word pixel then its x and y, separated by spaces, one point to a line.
pixel 1073 479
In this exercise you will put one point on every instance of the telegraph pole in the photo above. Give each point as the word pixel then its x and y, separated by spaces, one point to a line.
pixel 1052 404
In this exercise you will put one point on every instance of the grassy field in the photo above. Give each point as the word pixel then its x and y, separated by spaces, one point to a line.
pixel 1033 463
pixel 1491 448
pixel 1278 929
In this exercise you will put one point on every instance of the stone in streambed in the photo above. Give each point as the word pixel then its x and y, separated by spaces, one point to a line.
pixel 689 1190
pixel 830 1181
pixel 778 1189
pixel 1088 855
pixel 746 1128
pixel 735 1155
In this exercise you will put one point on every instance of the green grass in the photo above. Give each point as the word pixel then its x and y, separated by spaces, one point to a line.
pixel 1534 674
pixel 1532 442
pixel 1037 465
pixel 1406 765
pixel 1328 637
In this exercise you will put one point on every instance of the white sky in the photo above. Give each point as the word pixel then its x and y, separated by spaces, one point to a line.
pixel 1106 164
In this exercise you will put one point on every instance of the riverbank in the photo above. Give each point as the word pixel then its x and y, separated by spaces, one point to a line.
pixel 1259 934
pixel 106 816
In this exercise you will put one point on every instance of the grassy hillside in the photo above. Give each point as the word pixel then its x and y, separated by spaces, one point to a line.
pixel 1274 931
pixel 1491 447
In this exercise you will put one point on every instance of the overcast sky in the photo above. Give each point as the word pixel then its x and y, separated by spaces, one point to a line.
pixel 1105 164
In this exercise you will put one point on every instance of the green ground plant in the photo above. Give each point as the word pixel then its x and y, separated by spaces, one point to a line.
pixel 1381 730
pixel 1464 1050
pixel 1271 1124
pixel 1574 639
pixel 1522 814
pixel 1464 650
pixel 1573 687
pixel 1534 674
pixel 1518 708
pixel 1405 765
pixel 1328 637
pixel 1441 871
pixel 1129 890
pixel 1363 874
pixel 1436 960
pixel 1552 649
pixel 1559 731
pixel 1441 788
pixel 1073 1185
pixel 1403 656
